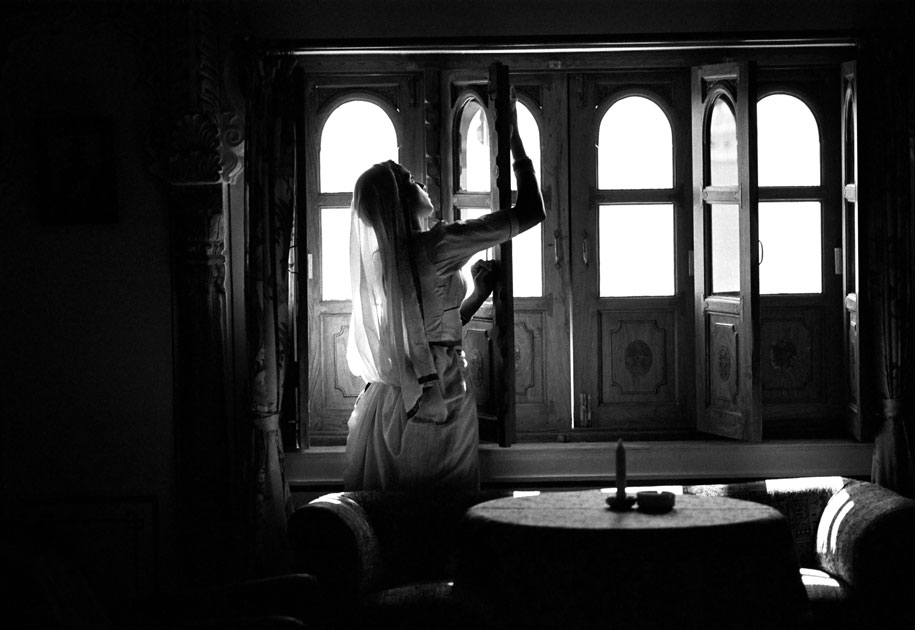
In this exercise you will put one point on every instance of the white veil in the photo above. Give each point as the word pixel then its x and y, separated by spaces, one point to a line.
pixel 387 338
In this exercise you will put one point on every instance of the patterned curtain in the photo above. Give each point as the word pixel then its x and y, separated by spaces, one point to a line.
pixel 894 458
pixel 271 171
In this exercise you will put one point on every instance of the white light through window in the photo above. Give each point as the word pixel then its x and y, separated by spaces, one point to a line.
pixel 357 135
pixel 635 149
pixel 788 142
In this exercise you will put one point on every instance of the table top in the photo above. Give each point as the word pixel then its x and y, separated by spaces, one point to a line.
pixel 565 559
pixel 587 509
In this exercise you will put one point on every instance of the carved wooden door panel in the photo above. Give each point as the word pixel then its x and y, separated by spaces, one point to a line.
pixel 725 238
pixel 629 253
pixel 393 102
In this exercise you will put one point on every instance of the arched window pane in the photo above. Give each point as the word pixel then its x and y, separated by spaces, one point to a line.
pixel 723 145
pixel 530 135
pixel 634 146
pixel 636 250
pixel 357 135
pixel 788 142
pixel 790 238
pixel 473 140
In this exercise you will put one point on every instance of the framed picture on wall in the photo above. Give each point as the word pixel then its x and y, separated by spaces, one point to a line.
pixel 75 169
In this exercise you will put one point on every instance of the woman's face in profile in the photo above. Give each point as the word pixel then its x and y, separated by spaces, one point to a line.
pixel 414 194
pixel 422 205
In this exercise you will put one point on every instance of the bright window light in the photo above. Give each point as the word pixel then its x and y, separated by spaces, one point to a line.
pixel 723 145
pixel 357 135
pixel 530 135
pixel 788 142
pixel 791 247
pixel 335 280
pixel 636 250
pixel 476 172
pixel 634 146
pixel 725 248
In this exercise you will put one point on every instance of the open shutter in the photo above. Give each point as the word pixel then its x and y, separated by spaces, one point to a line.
pixel 503 330
pixel 488 339
pixel 726 258
pixel 850 249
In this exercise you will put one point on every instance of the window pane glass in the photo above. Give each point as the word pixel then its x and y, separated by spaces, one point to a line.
pixel 725 248
pixel 474 143
pixel 527 263
pixel 527 259
pixel 357 135
pixel 335 280
pixel 723 145
pixel 634 146
pixel 636 250
pixel 788 141
pixel 530 134
pixel 791 247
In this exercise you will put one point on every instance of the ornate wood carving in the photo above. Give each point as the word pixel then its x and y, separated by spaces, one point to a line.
pixel 341 387
pixel 723 385
pixel 477 346
pixel 432 122
pixel 195 155
pixel 637 353
pixel 390 93
pixel 788 370
pixel 529 358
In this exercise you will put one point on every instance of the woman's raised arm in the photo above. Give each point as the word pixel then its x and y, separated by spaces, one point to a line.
pixel 528 209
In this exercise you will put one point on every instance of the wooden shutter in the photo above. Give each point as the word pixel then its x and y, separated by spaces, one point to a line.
pixel 850 250
pixel 726 291
pixel 488 339
pixel 503 296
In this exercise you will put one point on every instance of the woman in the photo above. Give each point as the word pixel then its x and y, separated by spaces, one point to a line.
pixel 415 424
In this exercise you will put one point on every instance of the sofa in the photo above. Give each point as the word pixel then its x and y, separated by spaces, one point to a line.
pixel 388 559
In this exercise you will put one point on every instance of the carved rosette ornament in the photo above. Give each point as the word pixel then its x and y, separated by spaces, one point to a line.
pixel 724 363
pixel 783 355
pixel 638 358
pixel 475 365
pixel 195 152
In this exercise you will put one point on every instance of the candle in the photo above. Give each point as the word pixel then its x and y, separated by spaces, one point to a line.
pixel 620 472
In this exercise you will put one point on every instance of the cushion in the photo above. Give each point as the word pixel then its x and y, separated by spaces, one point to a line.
pixel 867 539
pixel 802 501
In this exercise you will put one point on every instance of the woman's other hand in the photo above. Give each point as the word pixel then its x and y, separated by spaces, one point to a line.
pixel 484 274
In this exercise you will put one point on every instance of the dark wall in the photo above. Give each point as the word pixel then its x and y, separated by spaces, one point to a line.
pixel 88 363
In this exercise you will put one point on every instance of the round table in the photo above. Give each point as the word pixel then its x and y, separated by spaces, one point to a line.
pixel 564 559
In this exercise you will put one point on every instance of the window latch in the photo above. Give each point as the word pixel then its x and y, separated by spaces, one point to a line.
pixel 584 248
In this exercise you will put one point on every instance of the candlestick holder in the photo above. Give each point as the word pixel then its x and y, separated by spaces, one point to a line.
pixel 622 503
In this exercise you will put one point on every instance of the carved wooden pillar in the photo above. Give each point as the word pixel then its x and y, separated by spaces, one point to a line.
pixel 202 162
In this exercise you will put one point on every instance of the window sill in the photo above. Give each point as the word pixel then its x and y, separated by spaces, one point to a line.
pixel 653 462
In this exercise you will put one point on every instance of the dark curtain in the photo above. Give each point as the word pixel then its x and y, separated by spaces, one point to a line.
pixel 892 94
pixel 271 170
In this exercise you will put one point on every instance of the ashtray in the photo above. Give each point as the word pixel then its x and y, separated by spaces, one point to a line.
pixel 655 502
pixel 618 505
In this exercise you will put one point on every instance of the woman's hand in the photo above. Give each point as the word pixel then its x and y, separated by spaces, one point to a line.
pixel 513 111
pixel 484 273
